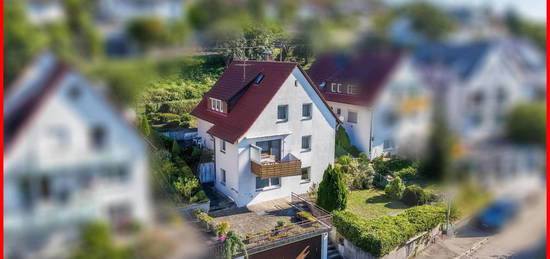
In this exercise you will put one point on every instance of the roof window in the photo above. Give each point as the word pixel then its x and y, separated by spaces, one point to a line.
pixel 259 78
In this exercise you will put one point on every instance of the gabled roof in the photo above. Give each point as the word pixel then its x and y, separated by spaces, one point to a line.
pixel 23 111
pixel 236 85
pixel 368 71
pixel 463 59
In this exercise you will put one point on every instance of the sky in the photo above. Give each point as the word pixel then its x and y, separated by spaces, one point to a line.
pixel 532 9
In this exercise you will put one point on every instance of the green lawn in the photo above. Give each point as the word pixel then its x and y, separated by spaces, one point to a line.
pixel 373 204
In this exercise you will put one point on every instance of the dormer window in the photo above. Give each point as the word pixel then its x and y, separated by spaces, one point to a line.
pixel 259 78
pixel 216 105
pixel 322 84
pixel 353 89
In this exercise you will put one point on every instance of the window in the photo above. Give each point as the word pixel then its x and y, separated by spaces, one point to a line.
pixel 217 105
pixel 98 137
pixel 501 95
pixel 223 176
pixel 333 87
pixel 259 78
pixel 338 111
pixel 74 92
pixel 282 112
pixel 352 117
pixel 306 174
pixel 222 146
pixel 266 183
pixel 340 88
pixel 388 143
pixel 390 118
pixel 296 83
pixel 306 142
pixel 306 110
pixel 322 84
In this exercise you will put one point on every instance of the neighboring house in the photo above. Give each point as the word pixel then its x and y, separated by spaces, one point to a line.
pixel 122 11
pixel 477 83
pixel 70 158
pixel 45 11
pixel 379 97
pixel 272 131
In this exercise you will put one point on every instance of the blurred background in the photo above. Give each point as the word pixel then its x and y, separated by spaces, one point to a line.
pixel 100 148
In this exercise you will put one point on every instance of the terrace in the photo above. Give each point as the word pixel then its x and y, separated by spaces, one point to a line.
pixel 257 223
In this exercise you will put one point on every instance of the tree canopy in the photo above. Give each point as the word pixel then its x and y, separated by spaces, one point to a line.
pixel 332 193
pixel 526 124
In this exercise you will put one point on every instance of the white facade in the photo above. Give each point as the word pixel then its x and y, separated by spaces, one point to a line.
pixel 74 160
pixel 240 182
pixel 476 107
pixel 397 121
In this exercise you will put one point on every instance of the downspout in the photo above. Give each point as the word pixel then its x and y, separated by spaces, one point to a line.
pixel 370 134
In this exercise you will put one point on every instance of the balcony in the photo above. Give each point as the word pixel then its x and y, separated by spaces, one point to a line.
pixel 266 166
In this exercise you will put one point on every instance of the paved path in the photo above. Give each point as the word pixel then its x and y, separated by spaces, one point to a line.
pixel 522 239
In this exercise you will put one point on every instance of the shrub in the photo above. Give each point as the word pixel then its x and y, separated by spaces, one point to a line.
pixel 415 195
pixel 200 196
pixel 222 228
pixel 407 173
pixel 280 223
pixel 395 188
pixel 381 235
pixel 204 218
pixel 343 144
pixel 391 166
pixel 233 245
pixel 332 193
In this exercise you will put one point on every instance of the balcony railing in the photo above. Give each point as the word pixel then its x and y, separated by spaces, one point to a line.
pixel 268 167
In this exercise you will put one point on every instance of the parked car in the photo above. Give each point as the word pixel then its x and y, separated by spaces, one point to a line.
pixel 498 214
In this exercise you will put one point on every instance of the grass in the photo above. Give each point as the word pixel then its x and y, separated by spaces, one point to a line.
pixel 372 204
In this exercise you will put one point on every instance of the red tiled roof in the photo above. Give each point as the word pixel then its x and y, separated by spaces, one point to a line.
pixel 369 71
pixel 239 75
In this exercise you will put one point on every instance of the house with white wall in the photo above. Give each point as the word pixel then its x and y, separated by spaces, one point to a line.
pixel 382 101
pixel 70 158
pixel 271 129
pixel 478 82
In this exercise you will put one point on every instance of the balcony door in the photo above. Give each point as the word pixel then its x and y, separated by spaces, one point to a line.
pixel 271 150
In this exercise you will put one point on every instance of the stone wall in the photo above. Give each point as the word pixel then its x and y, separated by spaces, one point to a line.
pixel 188 209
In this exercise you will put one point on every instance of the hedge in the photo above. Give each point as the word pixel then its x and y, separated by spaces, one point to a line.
pixel 380 236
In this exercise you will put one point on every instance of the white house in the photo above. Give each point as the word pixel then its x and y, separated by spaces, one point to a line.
pixel 478 82
pixel 382 101
pixel 69 158
pixel 271 129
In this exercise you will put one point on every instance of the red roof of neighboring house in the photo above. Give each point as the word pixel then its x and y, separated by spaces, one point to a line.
pixel 236 86
pixel 369 71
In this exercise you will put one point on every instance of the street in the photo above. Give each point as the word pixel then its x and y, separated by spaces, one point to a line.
pixel 523 238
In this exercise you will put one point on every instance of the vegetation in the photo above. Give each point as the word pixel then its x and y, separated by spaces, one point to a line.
pixel 84 36
pixel 96 242
pixel 373 203
pixel 358 173
pixel 332 193
pixel 234 245
pixel 526 124
pixel 222 228
pixel 534 31
pixel 149 32
pixel 343 144
pixel 379 236
pixel 436 165
pixel 408 173
pixel 306 216
pixel 390 166
pixel 414 195
pixel 21 37
pixel 394 190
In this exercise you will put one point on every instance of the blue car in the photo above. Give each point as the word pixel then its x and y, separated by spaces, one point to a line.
pixel 498 214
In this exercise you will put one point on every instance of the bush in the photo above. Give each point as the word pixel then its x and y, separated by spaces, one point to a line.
pixel 332 193
pixel 407 173
pixel 343 144
pixel 391 166
pixel 200 196
pixel 415 195
pixel 394 190
pixel 380 236
pixel 280 224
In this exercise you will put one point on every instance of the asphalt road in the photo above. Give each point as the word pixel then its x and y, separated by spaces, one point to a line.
pixel 522 238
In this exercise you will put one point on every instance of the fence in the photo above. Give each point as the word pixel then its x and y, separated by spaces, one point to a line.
pixel 319 213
